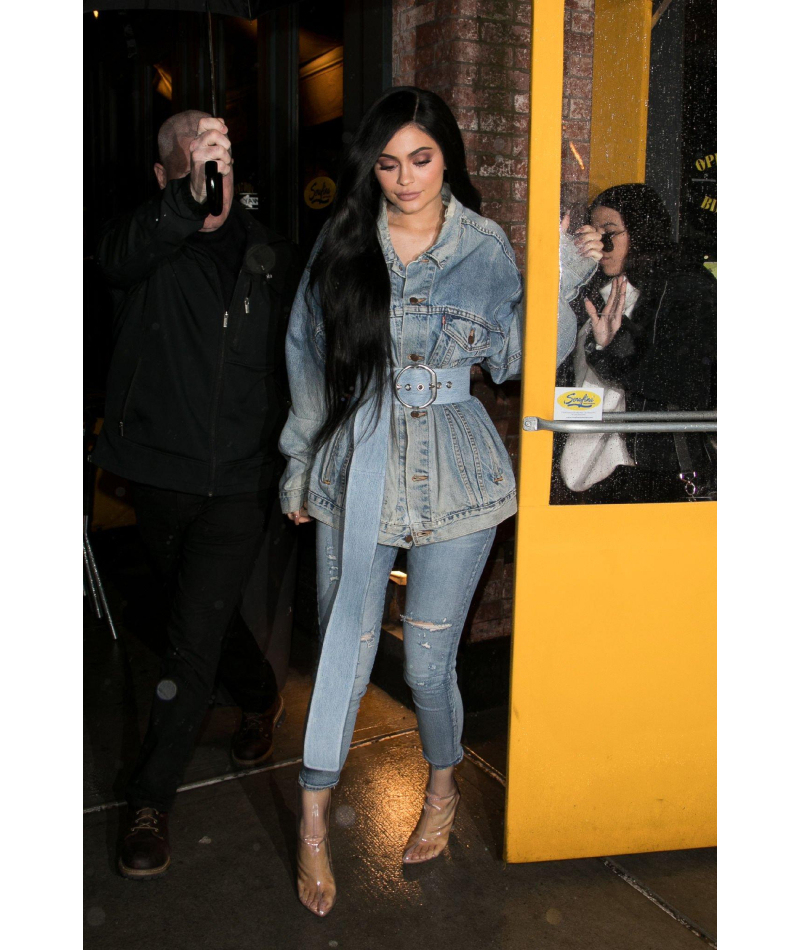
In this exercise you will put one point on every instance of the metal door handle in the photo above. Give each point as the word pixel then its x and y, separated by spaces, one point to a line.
pixel 630 422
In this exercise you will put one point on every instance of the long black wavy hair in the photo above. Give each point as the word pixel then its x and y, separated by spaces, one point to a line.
pixel 349 276
pixel 651 252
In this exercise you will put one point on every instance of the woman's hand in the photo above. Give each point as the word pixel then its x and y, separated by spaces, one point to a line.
pixel 299 517
pixel 606 324
pixel 588 241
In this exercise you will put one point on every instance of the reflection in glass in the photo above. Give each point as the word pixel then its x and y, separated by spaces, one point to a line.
pixel 648 337
pixel 647 318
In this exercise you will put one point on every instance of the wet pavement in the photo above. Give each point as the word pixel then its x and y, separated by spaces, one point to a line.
pixel 231 882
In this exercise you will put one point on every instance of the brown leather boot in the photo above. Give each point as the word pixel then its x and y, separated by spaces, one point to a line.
pixel 252 742
pixel 144 851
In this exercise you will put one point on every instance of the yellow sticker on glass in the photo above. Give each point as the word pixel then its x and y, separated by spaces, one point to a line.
pixel 579 400
pixel 320 192
pixel 573 402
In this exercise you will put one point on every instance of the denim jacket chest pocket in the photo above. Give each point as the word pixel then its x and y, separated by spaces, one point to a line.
pixel 464 338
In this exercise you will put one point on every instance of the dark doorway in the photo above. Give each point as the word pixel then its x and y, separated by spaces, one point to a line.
pixel 294 84
pixel 682 123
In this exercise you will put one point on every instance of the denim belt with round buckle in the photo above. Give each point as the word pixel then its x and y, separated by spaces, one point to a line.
pixel 450 385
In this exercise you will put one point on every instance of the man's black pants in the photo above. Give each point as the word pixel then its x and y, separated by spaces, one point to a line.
pixel 206 547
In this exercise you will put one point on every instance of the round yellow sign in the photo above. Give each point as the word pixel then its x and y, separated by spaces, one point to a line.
pixel 579 400
pixel 320 192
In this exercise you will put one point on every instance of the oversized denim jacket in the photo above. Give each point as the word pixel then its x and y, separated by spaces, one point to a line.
pixel 448 473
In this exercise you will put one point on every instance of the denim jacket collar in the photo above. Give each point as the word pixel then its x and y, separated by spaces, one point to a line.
pixel 445 244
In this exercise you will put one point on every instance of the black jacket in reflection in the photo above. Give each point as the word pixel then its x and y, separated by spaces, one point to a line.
pixel 664 357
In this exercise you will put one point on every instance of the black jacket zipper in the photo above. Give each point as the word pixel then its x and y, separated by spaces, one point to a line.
pixel 215 410
pixel 240 326
pixel 220 368
pixel 218 386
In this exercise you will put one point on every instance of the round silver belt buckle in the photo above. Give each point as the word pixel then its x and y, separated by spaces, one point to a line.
pixel 399 387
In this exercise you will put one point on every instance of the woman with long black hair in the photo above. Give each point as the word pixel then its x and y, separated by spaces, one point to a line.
pixel 649 338
pixel 408 287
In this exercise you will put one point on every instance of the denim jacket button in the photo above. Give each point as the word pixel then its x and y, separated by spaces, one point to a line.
pixel 409 538
pixel 416 300
pixel 415 357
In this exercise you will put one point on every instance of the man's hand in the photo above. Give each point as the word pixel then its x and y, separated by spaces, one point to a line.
pixel 210 144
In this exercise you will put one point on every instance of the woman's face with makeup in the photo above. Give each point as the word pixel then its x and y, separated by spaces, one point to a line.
pixel 410 170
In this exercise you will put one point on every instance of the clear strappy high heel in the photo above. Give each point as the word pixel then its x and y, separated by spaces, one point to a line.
pixel 316 886
pixel 429 838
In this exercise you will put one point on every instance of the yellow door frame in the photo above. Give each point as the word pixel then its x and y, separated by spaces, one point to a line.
pixel 612 712
pixel 620 89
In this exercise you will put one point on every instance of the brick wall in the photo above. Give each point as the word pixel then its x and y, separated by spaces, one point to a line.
pixel 476 55
pixel 577 113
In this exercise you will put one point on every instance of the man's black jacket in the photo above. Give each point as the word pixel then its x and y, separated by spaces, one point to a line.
pixel 196 394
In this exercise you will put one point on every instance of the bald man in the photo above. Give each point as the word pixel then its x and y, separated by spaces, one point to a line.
pixel 187 141
pixel 195 402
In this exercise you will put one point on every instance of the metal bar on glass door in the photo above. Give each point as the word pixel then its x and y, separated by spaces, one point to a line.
pixel 629 422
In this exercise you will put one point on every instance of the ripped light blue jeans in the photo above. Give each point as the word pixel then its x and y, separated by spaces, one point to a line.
pixel 442 578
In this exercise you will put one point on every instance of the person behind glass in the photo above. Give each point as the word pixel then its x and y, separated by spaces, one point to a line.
pixel 408 287
pixel 650 331
pixel 194 405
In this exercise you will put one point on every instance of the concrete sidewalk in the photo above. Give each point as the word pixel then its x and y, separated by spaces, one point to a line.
pixel 231 882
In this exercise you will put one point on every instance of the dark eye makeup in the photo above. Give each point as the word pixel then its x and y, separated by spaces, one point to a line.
pixel 390 168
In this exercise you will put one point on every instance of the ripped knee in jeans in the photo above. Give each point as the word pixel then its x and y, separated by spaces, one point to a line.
pixel 333 563
pixel 368 637
pixel 423 628
pixel 426 624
